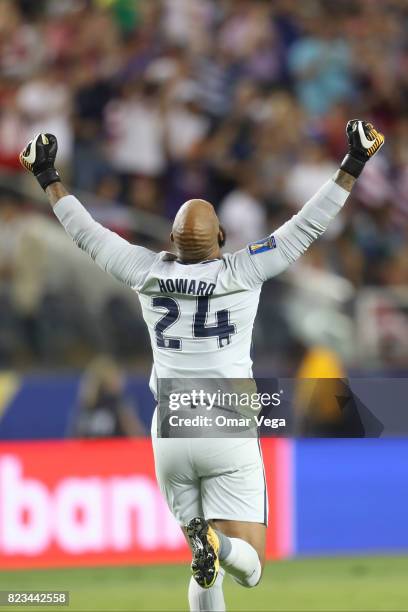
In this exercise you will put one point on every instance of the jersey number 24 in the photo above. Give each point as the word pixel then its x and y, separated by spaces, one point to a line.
pixel 222 329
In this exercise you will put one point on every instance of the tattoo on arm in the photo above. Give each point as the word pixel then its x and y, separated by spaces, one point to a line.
pixel 55 192
pixel 344 179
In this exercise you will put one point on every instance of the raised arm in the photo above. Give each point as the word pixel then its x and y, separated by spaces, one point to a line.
pixel 126 262
pixel 270 256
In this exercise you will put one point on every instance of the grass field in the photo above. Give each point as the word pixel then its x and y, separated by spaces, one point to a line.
pixel 326 584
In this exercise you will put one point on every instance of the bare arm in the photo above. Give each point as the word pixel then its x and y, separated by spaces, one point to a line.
pixel 55 192
pixel 344 180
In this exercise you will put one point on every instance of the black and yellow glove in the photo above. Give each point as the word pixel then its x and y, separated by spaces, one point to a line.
pixel 39 157
pixel 364 141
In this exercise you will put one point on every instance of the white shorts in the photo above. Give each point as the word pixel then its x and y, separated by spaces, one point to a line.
pixel 211 477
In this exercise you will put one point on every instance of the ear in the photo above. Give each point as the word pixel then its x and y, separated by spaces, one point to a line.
pixel 221 237
pixel 171 237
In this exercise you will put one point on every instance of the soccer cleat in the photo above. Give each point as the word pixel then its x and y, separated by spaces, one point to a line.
pixel 205 546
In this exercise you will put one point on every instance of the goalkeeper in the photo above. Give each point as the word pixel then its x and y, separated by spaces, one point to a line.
pixel 199 305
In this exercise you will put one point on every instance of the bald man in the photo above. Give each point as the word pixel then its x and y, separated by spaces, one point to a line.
pixel 199 306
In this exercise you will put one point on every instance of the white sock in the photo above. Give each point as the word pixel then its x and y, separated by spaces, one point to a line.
pixel 211 599
pixel 241 561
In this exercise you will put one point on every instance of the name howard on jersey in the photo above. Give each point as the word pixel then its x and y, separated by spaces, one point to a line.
pixel 185 286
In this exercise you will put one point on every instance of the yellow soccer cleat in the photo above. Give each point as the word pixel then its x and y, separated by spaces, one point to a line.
pixel 205 546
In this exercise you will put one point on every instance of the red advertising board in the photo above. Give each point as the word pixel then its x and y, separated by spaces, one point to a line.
pixel 97 503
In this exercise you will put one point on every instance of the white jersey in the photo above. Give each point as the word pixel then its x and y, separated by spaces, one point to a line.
pixel 200 316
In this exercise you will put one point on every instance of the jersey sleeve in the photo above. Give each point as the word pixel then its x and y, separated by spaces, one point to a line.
pixel 270 256
pixel 126 262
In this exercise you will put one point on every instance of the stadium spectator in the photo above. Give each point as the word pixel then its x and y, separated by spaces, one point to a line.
pixel 104 411
pixel 135 126
pixel 320 62
pixel 157 102
pixel 242 212
pixel 54 117
pixel 312 169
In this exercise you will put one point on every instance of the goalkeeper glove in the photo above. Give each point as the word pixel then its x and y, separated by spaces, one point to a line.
pixel 364 141
pixel 39 157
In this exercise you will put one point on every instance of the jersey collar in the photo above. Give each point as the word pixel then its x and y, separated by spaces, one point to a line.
pixel 184 263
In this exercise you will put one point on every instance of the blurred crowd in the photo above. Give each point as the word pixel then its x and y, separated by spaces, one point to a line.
pixel 241 102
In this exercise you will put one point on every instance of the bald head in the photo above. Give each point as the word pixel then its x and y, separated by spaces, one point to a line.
pixel 196 233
